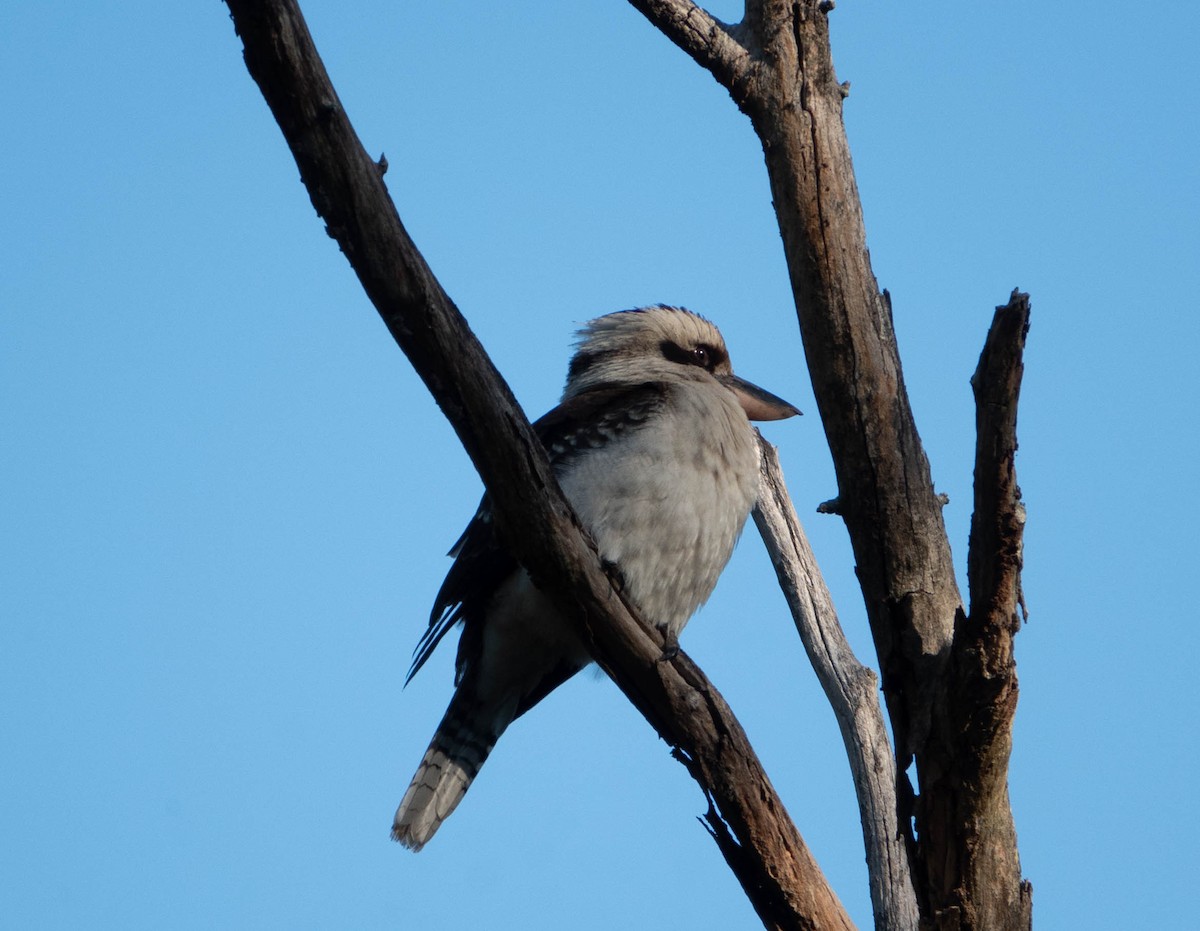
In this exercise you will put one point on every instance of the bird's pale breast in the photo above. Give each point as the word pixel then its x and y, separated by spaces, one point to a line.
pixel 668 503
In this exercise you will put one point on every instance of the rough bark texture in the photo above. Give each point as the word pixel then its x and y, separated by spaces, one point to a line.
pixel 965 805
pixel 782 77
pixel 948 680
pixel 745 816
pixel 852 691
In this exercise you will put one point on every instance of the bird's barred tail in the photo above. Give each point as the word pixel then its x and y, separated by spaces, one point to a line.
pixel 462 742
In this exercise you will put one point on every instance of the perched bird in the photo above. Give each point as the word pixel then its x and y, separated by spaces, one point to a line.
pixel 652 446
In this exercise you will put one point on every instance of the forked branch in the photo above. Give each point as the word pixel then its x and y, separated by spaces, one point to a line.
pixel 964 810
pixel 949 686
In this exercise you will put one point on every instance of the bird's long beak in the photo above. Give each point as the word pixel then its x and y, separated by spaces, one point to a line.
pixel 757 403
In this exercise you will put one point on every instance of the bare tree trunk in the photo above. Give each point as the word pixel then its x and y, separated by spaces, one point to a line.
pixel 949 681
pixel 746 817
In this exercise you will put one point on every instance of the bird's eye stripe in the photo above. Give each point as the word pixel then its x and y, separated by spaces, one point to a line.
pixel 704 356
pixel 675 353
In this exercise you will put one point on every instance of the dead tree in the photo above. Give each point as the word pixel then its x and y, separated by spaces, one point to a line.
pixel 946 859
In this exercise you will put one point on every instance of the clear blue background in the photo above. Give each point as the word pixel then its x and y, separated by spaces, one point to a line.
pixel 226 498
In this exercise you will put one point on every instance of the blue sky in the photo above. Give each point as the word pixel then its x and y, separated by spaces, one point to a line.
pixel 225 499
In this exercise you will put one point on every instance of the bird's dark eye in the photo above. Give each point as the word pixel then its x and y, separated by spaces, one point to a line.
pixel 706 357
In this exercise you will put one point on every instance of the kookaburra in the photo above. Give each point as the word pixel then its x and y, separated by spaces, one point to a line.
pixel 653 447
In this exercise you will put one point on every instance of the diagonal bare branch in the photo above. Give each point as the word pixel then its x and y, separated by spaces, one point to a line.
pixel 711 43
pixel 851 689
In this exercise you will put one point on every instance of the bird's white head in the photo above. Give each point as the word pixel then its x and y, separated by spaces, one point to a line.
pixel 662 344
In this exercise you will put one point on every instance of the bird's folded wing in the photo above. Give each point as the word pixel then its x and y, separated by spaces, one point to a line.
pixel 588 421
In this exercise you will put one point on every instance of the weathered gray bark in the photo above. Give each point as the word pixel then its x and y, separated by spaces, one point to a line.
pixel 746 817
pixel 852 691
pixel 948 680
